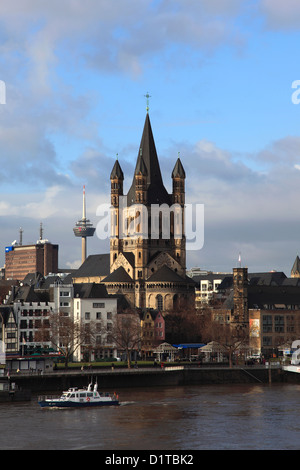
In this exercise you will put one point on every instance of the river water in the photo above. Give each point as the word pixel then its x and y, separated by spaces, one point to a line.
pixel 217 417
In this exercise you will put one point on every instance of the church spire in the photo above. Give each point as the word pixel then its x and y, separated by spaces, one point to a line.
pixel 116 172
pixel 295 272
pixel 157 193
pixel 178 171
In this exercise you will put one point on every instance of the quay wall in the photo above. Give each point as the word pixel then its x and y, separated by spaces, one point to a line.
pixel 151 377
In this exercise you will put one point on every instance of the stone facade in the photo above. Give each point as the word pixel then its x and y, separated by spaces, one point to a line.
pixel 147 246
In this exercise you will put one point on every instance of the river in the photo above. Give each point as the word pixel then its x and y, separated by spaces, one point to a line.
pixel 212 417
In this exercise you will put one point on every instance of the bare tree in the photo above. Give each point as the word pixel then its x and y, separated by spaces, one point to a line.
pixel 183 325
pixel 126 332
pixel 231 336
pixel 65 334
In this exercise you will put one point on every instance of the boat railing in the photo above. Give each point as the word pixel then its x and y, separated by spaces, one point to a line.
pixel 47 397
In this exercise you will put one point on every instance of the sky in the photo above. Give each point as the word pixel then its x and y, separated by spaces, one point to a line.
pixel 220 75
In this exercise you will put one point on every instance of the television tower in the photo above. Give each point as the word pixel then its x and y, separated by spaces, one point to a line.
pixel 84 228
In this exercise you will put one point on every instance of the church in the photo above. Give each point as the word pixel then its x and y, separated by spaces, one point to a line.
pixel 147 243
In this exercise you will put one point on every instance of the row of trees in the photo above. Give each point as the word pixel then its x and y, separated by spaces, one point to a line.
pixel 183 325
pixel 204 326
pixel 67 335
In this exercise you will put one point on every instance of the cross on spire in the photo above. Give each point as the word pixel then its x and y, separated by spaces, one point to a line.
pixel 147 96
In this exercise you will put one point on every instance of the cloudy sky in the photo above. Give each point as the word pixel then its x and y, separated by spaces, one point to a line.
pixel 220 74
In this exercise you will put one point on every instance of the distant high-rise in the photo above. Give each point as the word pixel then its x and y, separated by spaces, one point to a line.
pixel 22 259
pixel 84 228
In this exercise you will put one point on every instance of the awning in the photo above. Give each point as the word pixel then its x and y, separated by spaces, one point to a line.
pixel 189 345
pixel 213 346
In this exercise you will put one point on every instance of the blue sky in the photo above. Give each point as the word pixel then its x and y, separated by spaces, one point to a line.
pixel 220 76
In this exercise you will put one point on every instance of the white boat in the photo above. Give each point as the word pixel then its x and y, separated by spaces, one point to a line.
pixel 78 398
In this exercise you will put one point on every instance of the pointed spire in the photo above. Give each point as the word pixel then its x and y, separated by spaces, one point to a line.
pixel 148 150
pixel 157 193
pixel 140 168
pixel 178 171
pixel 117 171
pixel 295 272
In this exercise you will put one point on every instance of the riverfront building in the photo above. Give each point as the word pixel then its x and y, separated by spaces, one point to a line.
pixel 268 303
pixel 25 319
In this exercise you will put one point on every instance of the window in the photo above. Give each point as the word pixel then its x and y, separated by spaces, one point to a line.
pixel 267 341
pixel 109 315
pixel 279 323
pixel 87 316
pixel 98 305
pixel 98 340
pixel 98 315
pixel 159 302
pixel 267 323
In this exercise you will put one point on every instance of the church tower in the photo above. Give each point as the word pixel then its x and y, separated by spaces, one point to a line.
pixel 178 197
pixel 240 295
pixel 147 246
pixel 116 181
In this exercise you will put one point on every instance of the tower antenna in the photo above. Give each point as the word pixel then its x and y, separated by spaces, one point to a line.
pixel 84 228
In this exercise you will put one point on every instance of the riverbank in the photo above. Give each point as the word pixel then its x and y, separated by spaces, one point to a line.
pixel 150 377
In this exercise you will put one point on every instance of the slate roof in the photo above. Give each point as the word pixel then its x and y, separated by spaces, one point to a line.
pixel 117 172
pixel 119 275
pixel 5 312
pixel 94 265
pixel 129 256
pixel 153 312
pixel 32 279
pixel 296 266
pixel 210 277
pixel 166 274
pixel 140 168
pixel 46 283
pixel 26 294
pixel 277 296
pixel 260 279
pixel 269 296
pixel 178 170
pixel 90 291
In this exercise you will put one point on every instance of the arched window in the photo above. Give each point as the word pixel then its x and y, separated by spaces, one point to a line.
pixel 159 302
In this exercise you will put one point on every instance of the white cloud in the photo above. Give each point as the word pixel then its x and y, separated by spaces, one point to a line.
pixel 281 14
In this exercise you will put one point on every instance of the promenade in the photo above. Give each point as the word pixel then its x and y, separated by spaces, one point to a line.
pixel 152 377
